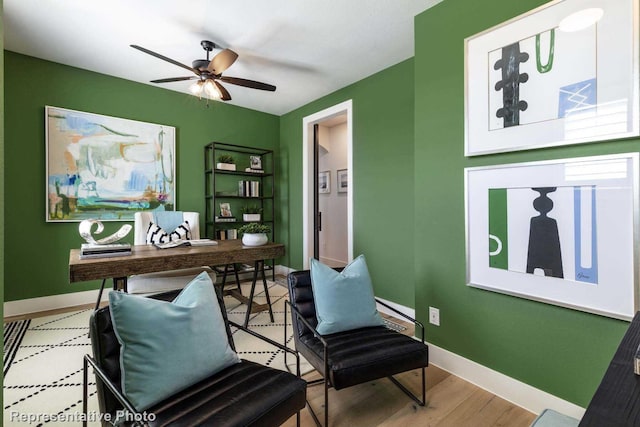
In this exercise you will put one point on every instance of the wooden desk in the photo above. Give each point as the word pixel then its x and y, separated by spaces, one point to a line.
pixel 616 401
pixel 149 259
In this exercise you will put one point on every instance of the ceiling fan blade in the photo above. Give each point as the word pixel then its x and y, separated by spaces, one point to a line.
pixel 248 83
pixel 164 58
pixel 222 61
pixel 174 79
pixel 224 94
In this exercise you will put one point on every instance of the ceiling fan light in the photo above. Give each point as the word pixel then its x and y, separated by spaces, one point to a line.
pixel 197 88
pixel 211 89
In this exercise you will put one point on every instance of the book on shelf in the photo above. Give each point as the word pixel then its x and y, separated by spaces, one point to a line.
pixel 225 218
pixel 228 234
pixel 249 188
pixel 185 242
pixel 254 170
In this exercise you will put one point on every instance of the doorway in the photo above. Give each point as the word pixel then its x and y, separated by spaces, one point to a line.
pixel 328 195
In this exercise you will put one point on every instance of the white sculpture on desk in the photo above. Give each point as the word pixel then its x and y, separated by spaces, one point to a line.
pixel 85 232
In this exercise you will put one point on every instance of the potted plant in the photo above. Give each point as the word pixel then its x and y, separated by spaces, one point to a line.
pixel 254 234
pixel 251 213
pixel 226 162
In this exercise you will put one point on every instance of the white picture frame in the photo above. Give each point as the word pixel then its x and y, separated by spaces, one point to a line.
pixel 342 180
pixel 563 87
pixel 324 182
pixel 510 246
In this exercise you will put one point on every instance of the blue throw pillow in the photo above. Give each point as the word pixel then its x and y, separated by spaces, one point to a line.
pixel 169 346
pixel 344 300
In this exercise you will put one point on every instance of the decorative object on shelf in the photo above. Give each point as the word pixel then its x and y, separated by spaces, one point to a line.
pixel 92 161
pixel 255 163
pixel 561 231
pixel 225 210
pixel 85 232
pixel 343 180
pixel 324 182
pixel 226 162
pixel 251 213
pixel 582 85
pixel 254 234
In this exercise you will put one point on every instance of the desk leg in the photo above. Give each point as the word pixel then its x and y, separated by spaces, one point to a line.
pixel 100 294
pixel 224 280
pixel 266 289
pixel 258 267
pixel 120 284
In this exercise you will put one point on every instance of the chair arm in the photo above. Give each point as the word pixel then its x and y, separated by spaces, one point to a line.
pixel 112 388
pixel 411 319
pixel 307 324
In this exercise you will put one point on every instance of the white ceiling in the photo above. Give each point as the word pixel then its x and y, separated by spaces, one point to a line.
pixel 306 48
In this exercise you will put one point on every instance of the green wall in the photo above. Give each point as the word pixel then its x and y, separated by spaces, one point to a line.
pixel 382 174
pixel 561 351
pixel 37 258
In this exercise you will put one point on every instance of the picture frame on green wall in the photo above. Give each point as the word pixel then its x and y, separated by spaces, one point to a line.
pixel 564 73
pixel 564 232
pixel 106 168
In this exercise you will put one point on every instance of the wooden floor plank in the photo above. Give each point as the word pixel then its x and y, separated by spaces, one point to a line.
pixel 451 402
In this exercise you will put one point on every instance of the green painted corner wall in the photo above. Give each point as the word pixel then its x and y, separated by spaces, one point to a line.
pixel 33 239
pixel 382 174
pixel 561 351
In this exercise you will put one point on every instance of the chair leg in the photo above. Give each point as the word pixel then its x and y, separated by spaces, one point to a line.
pixel 85 390
pixel 409 393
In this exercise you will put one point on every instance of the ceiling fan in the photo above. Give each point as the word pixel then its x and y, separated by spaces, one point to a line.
pixel 208 73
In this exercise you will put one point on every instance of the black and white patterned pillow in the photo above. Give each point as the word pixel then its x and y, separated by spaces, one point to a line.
pixel 155 233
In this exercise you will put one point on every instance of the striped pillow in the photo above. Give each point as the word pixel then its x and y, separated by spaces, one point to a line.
pixel 155 233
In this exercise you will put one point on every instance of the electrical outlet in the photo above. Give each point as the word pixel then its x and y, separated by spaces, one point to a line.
pixel 434 316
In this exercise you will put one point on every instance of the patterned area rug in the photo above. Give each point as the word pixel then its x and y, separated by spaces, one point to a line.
pixel 43 359
pixel 43 373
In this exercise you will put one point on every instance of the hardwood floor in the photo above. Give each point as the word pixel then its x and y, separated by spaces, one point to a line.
pixel 451 402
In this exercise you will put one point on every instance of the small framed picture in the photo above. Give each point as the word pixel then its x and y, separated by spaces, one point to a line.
pixel 225 210
pixel 255 162
pixel 324 182
pixel 343 181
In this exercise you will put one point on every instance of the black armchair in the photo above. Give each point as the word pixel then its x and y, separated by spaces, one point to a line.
pixel 244 394
pixel 352 357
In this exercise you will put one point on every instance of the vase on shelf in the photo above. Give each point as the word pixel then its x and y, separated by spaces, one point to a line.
pixel 251 217
pixel 254 239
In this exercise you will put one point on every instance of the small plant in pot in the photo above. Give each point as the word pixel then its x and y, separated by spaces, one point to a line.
pixel 226 162
pixel 254 234
pixel 251 213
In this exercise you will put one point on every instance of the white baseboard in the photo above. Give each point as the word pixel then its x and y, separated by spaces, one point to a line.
pixel 401 308
pixel 53 302
pixel 512 390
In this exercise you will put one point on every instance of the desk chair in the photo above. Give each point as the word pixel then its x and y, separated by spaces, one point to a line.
pixel 163 281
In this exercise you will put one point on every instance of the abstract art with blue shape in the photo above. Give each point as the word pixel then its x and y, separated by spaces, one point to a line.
pixel 577 96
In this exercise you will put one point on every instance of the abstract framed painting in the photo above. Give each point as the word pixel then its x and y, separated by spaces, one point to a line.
pixel 564 232
pixel 564 73
pixel 106 168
